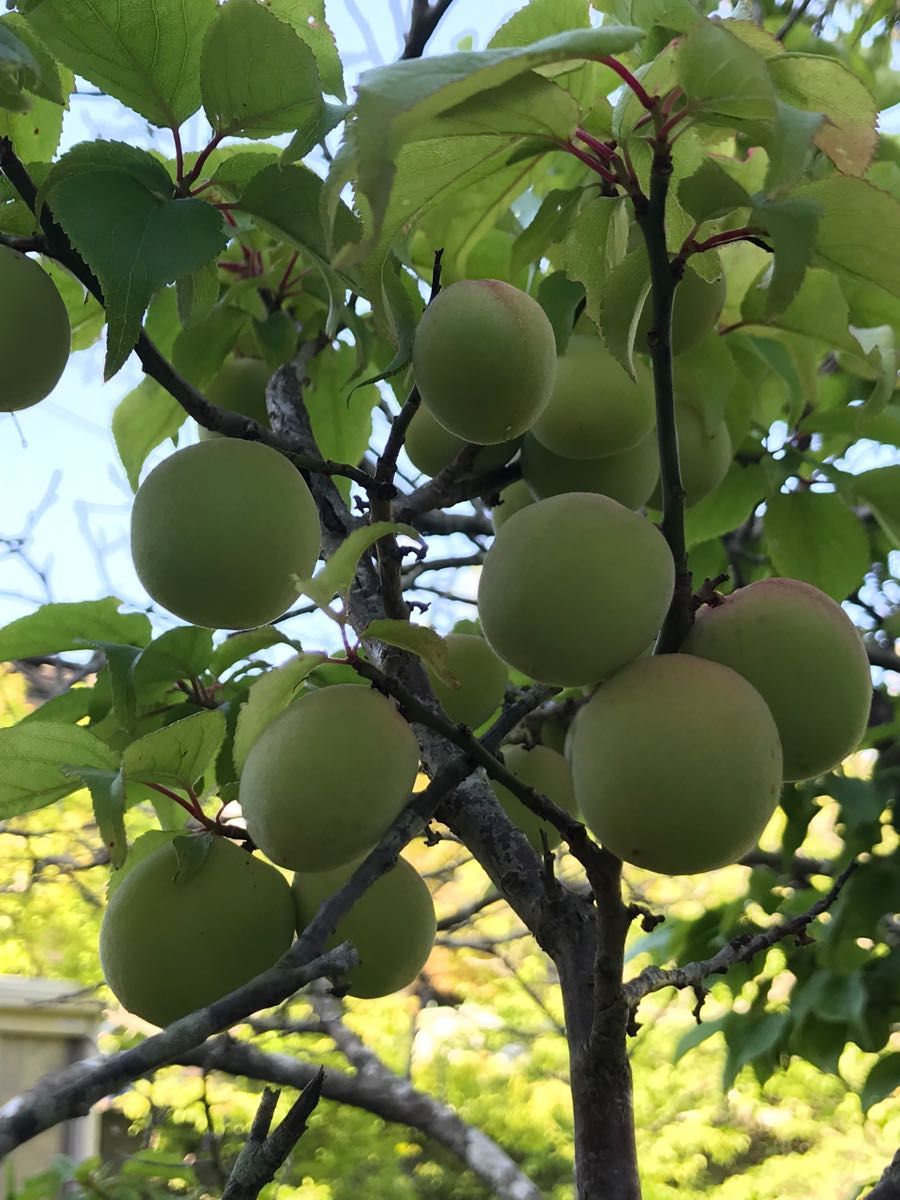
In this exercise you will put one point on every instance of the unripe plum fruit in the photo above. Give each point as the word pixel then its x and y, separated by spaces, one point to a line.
pixel 240 387
pixel 481 677
pixel 573 588
pixel 548 773
pixel 517 495
pixel 484 360
pixel 703 452
pixel 391 926
pixel 326 778
pixel 806 659
pixel 35 335
pixel 595 408
pixel 698 303
pixel 430 447
pixel 218 530
pixel 628 477
pixel 677 764
pixel 170 943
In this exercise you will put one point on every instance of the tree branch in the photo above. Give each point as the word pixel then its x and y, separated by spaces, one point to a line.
pixel 264 1153
pixel 379 1091
pixel 425 18
pixel 740 949
pixel 888 1186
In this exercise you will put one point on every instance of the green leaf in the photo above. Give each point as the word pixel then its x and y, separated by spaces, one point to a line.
pixel 176 654
pixel 852 210
pixel 244 645
pixel 336 576
pixel 147 55
pixel 54 83
pixel 394 100
pixel 258 78
pixel 728 505
pixel 792 225
pixel 817 311
pixel 141 422
pixel 176 755
pixel 235 166
pixel 559 297
pixel 199 352
pixel 31 760
pixel 624 291
pixel 86 315
pixel 550 225
pixel 422 641
pixel 35 135
pixel 269 696
pixel 119 662
pixel 592 248
pixel 821 84
pixel 880 489
pixel 882 1081
pixel 711 192
pixel 341 420
pixel 314 131
pixel 750 1038
pixel 54 628
pixel 724 77
pixel 815 537
pixel 191 852
pixel 109 808
pixel 790 146
pixel 307 19
pixel 198 293
pixel 695 1036
pixel 69 708
pixel 879 346
pixel 19 70
pixel 99 186
pixel 286 202
pixel 142 848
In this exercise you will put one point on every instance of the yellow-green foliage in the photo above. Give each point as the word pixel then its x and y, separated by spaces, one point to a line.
pixel 677 764
pixel 240 386
pixel 481 677
pixel 628 477
pixel 391 926
pixel 804 656
pixel 172 941
pixel 327 777
pixel 35 336
pixel 431 447
pixel 595 409
pixel 485 360
pixel 573 588
pixel 219 531
pixel 698 303
pixel 548 773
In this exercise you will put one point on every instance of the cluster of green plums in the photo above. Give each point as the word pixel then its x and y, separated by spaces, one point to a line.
pixel 488 373
pixel 319 788
pixel 35 334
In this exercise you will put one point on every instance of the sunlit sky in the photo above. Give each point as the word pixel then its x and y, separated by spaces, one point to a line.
pixel 58 458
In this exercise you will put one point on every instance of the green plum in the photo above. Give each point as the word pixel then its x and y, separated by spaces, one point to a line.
pixel 391 926
pixel 481 677
pixel 219 531
pixel 574 587
pixel 326 778
pixel 430 447
pixel 595 408
pixel 240 387
pixel 513 497
pixel 548 773
pixel 628 477
pixel 806 659
pixel 484 359
pixel 698 303
pixel 677 764
pixel 35 335
pixel 172 941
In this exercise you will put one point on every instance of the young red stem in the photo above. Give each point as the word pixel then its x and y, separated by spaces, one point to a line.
pixel 601 148
pixel 194 174
pixel 287 274
pixel 591 162
pixel 189 807
pixel 670 124
pixel 745 233
pixel 643 96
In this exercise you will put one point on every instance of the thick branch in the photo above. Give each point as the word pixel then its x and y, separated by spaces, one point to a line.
pixel 741 949
pixel 888 1186
pixel 73 1091
pixel 425 18
pixel 379 1091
